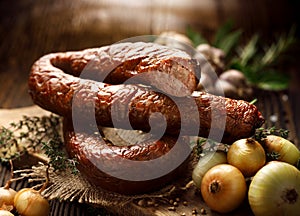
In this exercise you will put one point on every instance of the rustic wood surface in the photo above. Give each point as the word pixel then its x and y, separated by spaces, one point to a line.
pixel 30 29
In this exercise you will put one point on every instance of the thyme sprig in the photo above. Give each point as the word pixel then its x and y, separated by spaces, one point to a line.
pixel 204 145
pixel 57 156
pixel 272 156
pixel 35 134
pixel 9 147
pixel 262 133
pixel 30 132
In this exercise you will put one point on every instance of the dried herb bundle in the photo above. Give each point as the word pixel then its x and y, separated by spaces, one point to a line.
pixel 35 134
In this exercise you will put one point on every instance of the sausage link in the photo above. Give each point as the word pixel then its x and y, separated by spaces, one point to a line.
pixel 89 85
pixel 62 92
pixel 171 71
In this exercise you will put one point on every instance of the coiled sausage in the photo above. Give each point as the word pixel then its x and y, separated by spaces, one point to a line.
pixel 90 84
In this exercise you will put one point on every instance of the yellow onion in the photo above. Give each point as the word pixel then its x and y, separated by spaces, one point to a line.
pixel 275 190
pixel 7 196
pixel 283 148
pixel 206 162
pixel 30 202
pixel 223 188
pixel 5 213
pixel 247 155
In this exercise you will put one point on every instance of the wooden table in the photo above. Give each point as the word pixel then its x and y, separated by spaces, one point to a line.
pixel 25 38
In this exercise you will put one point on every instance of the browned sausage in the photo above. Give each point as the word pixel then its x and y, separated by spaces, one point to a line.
pixel 113 167
pixel 170 70
pixel 70 84
pixel 58 89
pixel 92 151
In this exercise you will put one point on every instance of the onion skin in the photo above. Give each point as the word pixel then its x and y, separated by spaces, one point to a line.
pixel 5 213
pixel 287 151
pixel 30 202
pixel 223 188
pixel 7 198
pixel 247 155
pixel 275 190
pixel 206 162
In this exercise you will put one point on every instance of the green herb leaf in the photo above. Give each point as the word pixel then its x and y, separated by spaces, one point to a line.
pixel 253 101
pixel 58 158
pixel 272 156
pixel 249 50
pixel 222 32
pixel 261 133
pixel 195 36
pixel 275 50
pixel 273 80
pixel 230 41
pixel 259 62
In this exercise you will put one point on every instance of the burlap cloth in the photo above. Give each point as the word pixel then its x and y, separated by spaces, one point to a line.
pixel 67 186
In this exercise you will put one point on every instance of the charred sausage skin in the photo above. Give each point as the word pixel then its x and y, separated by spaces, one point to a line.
pixel 90 83
pixel 170 70
pixel 93 152
pixel 54 81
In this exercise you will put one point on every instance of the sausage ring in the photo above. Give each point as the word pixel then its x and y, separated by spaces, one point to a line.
pixel 57 79
pixel 102 162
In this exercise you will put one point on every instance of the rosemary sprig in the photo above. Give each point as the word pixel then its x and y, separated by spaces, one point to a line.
pixel 195 37
pixel 228 42
pixel 260 62
pixel 248 52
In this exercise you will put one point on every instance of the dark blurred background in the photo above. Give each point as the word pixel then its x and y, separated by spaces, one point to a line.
pixel 32 28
